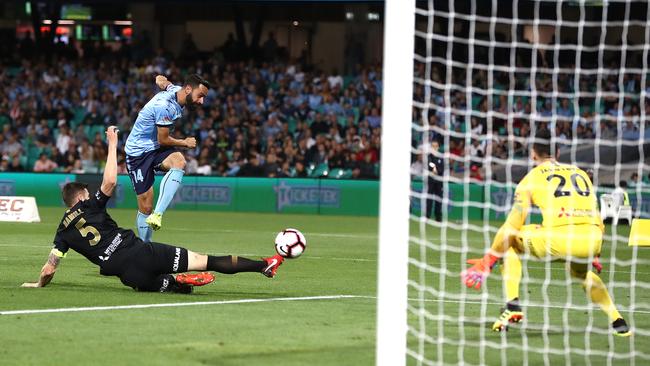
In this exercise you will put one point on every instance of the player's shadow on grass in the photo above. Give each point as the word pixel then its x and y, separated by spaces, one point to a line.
pixel 204 293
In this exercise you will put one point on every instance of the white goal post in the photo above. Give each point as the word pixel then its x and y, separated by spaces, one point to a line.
pixel 399 31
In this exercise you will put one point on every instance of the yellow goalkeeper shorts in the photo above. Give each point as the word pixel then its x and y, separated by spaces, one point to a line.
pixel 561 242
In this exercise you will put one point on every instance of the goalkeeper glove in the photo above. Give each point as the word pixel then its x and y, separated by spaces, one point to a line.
pixel 474 276
pixel 597 265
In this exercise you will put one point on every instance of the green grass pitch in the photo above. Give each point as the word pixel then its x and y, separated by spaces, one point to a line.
pixel 340 260
pixel 321 332
pixel 550 335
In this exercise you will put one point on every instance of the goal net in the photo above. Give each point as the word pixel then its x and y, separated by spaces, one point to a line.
pixel 488 76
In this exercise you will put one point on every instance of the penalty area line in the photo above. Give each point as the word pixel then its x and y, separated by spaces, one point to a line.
pixel 176 304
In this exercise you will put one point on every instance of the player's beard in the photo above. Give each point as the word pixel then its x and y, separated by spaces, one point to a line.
pixel 189 102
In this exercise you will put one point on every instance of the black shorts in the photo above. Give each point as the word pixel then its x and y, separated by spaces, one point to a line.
pixel 142 169
pixel 150 261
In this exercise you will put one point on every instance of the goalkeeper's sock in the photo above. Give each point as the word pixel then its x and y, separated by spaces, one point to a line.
pixel 168 187
pixel 144 231
pixel 598 293
pixel 511 274
pixel 621 328
pixel 513 305
pixel 231 264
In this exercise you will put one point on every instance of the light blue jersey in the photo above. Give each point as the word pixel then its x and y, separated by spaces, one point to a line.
pixel 161 110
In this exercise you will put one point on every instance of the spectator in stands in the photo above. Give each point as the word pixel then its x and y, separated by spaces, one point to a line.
pixel 285 171
pixel 204 167
pixel 44 164
pixel 374 120
pixel 99 154
pixel 77 168
pixel 3 143
pixel 271 167
pixel 57 157
pixel 63 140
pixel 252 168
pixel 476 150
pixel 367 168
pixel 335 80
pixel 319 126
pixel 634 180
pixel 93 118
pixel 476 128
pixel 5 165
pixel 336 158
pixel 87 156
pixel 565 109
pixel 13 147
pixel 16 165
pixel 320 155
pixel 631 130
pixel 272 127
pixel 191 164
pixel 475 173
pixel 300 170
pixel 69 160
pixel 417 167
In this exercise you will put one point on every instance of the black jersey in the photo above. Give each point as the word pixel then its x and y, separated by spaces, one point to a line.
pixel 90 231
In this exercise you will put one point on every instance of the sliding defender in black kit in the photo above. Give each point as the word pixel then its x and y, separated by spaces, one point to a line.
pixel 89 230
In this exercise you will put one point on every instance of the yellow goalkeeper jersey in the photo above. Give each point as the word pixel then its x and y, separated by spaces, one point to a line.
pixel 563 192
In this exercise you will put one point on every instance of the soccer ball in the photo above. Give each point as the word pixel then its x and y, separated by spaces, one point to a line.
pixel 290 243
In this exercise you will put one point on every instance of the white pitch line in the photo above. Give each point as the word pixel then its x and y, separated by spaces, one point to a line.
pixel 176 304
pixel 252 301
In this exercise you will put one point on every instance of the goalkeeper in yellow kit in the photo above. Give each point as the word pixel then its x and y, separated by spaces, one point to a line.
pixel 571 231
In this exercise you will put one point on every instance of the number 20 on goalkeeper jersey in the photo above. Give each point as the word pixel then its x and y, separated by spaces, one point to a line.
pixel 564 193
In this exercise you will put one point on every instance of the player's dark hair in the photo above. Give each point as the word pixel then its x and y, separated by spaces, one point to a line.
pixel 195 80
pixel 71 190
pixel 622 184
pixel 542 144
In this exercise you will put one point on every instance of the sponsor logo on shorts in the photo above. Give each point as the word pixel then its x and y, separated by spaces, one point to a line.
pixel 165 284
pixel 177 259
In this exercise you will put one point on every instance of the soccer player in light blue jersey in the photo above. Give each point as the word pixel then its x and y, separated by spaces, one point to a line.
pixel 150 148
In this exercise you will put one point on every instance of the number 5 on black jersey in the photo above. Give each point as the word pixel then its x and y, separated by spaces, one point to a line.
pixel 84 231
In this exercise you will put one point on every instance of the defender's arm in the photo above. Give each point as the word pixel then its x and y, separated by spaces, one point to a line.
pixel 110 170
pixel 47 272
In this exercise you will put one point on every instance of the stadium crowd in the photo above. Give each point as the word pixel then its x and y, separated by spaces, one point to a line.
pixel 280 119
pixel 589 116
pixel 267 119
